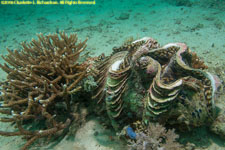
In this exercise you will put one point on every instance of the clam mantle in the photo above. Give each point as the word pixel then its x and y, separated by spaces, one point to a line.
pixel 145 82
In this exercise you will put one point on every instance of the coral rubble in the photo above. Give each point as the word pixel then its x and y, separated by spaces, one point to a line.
pixel 156 137
pixel 41 79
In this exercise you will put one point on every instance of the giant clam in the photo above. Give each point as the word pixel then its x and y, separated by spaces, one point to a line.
pixel 144 82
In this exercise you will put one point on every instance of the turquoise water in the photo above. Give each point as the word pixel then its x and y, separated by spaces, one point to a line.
pixel 198 23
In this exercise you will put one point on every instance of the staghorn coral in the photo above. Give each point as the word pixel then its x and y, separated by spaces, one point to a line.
pixel 79 113
pixel 156 137
pixel 41 80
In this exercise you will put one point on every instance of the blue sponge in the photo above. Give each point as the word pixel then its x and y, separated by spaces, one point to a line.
pixel 131 133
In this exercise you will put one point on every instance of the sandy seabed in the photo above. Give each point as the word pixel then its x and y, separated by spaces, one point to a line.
pixel 200 28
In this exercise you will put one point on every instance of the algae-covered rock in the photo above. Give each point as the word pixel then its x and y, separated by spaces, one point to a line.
pixel 218 126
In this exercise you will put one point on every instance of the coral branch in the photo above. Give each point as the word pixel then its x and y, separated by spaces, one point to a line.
pixel 45 72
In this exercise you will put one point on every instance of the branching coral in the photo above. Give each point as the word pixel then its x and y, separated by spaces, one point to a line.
pixel 41 79
pixel 156 138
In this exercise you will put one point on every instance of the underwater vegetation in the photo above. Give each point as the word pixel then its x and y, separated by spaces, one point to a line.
pixel 142 87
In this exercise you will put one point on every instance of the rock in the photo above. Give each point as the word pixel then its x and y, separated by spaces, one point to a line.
pixel 96 133
pixel 218 126
pixel 123 16
pixel 186 3
pixel 219 24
